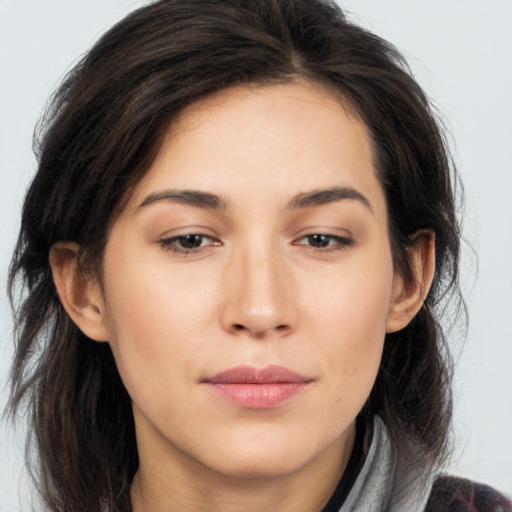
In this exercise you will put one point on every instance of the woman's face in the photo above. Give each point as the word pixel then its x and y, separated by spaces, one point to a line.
pixel 248 283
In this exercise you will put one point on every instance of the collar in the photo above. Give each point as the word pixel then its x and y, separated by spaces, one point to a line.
pixel 387 481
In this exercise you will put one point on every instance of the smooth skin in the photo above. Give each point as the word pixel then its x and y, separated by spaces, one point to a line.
pixel 258 236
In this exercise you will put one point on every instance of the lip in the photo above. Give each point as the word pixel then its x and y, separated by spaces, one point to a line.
pixel 254 388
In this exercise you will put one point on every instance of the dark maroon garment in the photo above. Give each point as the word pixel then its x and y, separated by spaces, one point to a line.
pixel 453 494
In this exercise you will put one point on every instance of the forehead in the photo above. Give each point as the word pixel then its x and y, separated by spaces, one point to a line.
pixel 281 139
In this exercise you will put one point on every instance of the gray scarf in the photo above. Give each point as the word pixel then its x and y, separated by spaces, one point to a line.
pixel 386 483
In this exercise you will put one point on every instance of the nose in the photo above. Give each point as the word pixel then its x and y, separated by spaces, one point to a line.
pixel 259 294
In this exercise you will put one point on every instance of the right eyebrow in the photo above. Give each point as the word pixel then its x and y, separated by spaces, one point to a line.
pixel 325 196
pixel 194 198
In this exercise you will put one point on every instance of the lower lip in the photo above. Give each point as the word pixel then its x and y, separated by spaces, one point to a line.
pixel 257 396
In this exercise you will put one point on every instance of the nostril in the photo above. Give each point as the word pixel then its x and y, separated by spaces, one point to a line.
pixel 259 334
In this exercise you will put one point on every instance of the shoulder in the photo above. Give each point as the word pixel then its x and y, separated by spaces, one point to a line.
pixel 453 494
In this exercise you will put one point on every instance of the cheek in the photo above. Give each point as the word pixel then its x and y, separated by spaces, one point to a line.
pixel 349 320
pixel 353 301
pixel 157 324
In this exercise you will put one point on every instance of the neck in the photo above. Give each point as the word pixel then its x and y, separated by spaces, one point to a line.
pixel 190 487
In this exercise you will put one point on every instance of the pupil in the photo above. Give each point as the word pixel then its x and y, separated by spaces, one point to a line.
pixel 190 241
pixel 318 240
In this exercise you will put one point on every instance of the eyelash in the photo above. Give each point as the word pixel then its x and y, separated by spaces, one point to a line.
pixel 171 244
pixel 333 243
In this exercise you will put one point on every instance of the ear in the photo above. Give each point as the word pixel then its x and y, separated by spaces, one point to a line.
pixel 410 294
pixel 79 291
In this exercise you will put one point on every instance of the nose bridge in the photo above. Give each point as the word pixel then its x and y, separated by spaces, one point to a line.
pixel 259 296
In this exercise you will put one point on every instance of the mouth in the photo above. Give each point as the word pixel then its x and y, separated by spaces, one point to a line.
pixel 253 388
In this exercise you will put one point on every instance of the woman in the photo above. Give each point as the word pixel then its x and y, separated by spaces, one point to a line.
pixel 234 250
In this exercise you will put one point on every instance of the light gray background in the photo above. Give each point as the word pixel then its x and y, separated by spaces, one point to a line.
pixel 460 51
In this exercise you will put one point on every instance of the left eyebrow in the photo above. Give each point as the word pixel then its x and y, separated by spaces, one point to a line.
pixel 194 198
pixel 326 196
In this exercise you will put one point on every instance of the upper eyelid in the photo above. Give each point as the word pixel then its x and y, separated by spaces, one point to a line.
pixel 290 232
pixel 186 231
pixel 170 236
pixel 327 234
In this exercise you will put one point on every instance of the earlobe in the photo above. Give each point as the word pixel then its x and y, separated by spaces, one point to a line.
pixel 410 294
pixel 79 292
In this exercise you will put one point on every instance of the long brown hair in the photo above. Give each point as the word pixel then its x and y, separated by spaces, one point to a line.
pixel 102 131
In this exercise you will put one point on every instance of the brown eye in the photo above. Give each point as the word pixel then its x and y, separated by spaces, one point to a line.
pixel 185 244
pixel 190 241
pixel 322 241
pixel 319 240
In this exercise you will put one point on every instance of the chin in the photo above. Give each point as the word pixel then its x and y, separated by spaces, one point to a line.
pixel 260 467
pixel 262 458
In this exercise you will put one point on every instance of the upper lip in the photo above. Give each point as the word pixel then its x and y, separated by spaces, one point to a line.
pixel 273 374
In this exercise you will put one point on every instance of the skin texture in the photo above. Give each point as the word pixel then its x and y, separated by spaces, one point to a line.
pixel 259 289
